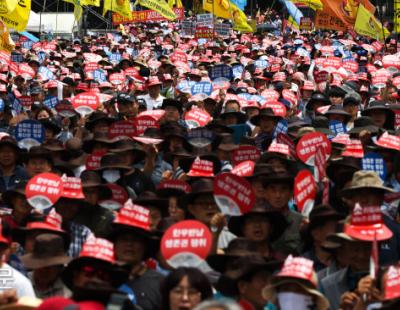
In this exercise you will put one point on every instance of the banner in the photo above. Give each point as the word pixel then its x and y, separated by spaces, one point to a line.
pixel 122 7
pixel 346 10
pixel 222 30
pixel 159 6
pixel 18 19
pixel 145 16
pixel 306 23
pixel 326 19
pixel 367 25
pixel 204 20
pixel 204 33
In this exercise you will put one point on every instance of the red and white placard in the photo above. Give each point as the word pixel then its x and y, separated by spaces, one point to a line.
pixel 392 283
pixel 277 107
pixel 244 169
pixel 307 146
pixel 280 148
pixel 233 194
pixel 72 188
pixel 186 244
pixel 93 160
pixel 298 267
pixel 244 153
pixel 201 168
pixel 122 129
pixel 305 190
pixel 270 94
pixel 389 141
pixel 142 122
pixel 44 190
pixel 86 103
pixel 156 114
pixel 354 148
pixel 176 185
pixel 133 215
pixel 197 118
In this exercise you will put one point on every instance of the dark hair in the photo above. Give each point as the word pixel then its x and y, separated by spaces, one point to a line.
pixel 196 279
pixel 41 108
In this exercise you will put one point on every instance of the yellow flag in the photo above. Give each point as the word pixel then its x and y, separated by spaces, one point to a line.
pixel 218 8
pixel 367 24
pixel 177 3
pixel 313 4
pixel 159 6
pixel 6 43
pixel 396 10
pixel 122 28
pixel 239 19
pixel 292 23
pixel 7 6
pixel 90 2
pixel 228 10
pixel 78 12
pixel 18 19
pixel 77 8
pixel 122 7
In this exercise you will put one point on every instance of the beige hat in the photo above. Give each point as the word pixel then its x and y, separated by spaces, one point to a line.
pixel 304 130
pixel 365 179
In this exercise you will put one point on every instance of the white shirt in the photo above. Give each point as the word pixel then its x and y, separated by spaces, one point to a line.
pixel 152 103
pixel 12 278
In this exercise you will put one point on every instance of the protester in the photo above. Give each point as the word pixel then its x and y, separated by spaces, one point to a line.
pixel 168 165
pixel 185 288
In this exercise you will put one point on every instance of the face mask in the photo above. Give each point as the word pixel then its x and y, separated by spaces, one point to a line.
pixel 289 301
pixel 112 175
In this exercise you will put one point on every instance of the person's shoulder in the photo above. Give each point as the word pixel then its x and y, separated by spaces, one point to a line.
pixel 18 277
pixel 153 274
pixel 80 227
pixel 334 278
pixel 391 224
pixel 144 97
pixel 295 215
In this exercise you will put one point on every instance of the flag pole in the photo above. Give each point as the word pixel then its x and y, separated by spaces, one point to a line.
pixel 383 28
pixel 40 19
pixel 58 2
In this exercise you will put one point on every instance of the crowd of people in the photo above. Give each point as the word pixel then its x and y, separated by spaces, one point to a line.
pixel 283 148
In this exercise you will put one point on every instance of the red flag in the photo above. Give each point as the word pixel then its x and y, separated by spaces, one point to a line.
pixel 320 160
pixel 325 193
